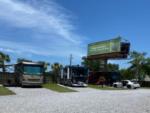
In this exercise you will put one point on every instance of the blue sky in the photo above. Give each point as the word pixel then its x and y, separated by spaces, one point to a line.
pixel 51 30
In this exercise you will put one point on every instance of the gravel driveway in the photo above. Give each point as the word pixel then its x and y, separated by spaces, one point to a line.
pixel 40 100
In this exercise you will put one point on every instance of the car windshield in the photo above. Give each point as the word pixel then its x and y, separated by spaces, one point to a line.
pixel 33 70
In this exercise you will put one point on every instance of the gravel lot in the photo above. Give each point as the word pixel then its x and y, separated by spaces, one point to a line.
pixel 40 100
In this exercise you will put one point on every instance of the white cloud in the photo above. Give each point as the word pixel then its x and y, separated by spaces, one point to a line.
pixel 21 48
pixel 52 31
pixel 23 15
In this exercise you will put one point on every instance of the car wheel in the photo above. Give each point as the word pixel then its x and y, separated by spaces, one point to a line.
pixel 128 86
pixel 115 86
pixel 22 86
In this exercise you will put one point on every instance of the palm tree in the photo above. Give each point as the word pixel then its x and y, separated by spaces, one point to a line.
pixel 146 66
pixel 93 65
pixel 112 67
pixel 56 68
pixel 45 64
pixel 137 62
pixel 3 58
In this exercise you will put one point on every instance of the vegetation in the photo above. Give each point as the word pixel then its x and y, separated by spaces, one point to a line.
pixel 46 64
pixel 137 63
pixel 127 74
pixel 57 88
pixel 5 91
pixel 104 88
pixel 98 65
pixel 3 58
pixel 112 67
pixel 140 66
pixel 146 67
pixel 92 65
pixel 56 68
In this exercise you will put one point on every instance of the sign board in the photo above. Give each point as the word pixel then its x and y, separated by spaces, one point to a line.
pixel 104 47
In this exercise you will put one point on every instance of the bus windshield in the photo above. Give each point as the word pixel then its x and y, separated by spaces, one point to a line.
pixel 33 70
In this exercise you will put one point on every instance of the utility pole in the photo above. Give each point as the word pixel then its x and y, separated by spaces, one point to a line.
pixel 71 57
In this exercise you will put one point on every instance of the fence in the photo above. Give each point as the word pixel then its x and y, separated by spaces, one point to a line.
pixel 7 78
pixel 145 83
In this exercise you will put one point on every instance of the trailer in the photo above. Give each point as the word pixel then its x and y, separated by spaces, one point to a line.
pixel 75 76
pixel 29 73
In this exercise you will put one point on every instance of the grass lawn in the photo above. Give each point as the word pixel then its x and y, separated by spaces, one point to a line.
pixel 4 91
pixel 104 88
pixel 57 88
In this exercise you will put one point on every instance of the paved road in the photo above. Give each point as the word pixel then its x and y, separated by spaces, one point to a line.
pixel 40 100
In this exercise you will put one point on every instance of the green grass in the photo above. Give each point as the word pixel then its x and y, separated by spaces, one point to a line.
pixel 4 91
pixel 57 88
pixel 104 88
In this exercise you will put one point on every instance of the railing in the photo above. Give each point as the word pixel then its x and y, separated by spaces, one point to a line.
pixel 145 83
pixel 7 78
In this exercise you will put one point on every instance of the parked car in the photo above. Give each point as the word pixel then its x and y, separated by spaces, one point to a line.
pixel 127 83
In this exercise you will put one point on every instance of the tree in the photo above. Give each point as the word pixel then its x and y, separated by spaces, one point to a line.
pixel 56 68
pixel 45 64
pixel 98 65
pixel 126 74
pixel 93 65
pixel 3 58
pixel 146 66
pixel 112 67
pixel 137 62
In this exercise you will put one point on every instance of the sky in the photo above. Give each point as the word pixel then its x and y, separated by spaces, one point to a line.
pixel 51 30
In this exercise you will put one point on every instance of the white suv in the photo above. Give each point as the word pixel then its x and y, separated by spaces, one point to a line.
pixel 127 83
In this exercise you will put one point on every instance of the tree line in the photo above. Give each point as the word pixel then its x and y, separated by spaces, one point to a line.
pixel 139 66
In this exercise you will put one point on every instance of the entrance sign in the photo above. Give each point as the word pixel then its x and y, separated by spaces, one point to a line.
pixel 104 47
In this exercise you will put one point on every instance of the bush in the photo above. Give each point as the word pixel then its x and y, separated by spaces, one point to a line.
pixel 50 77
